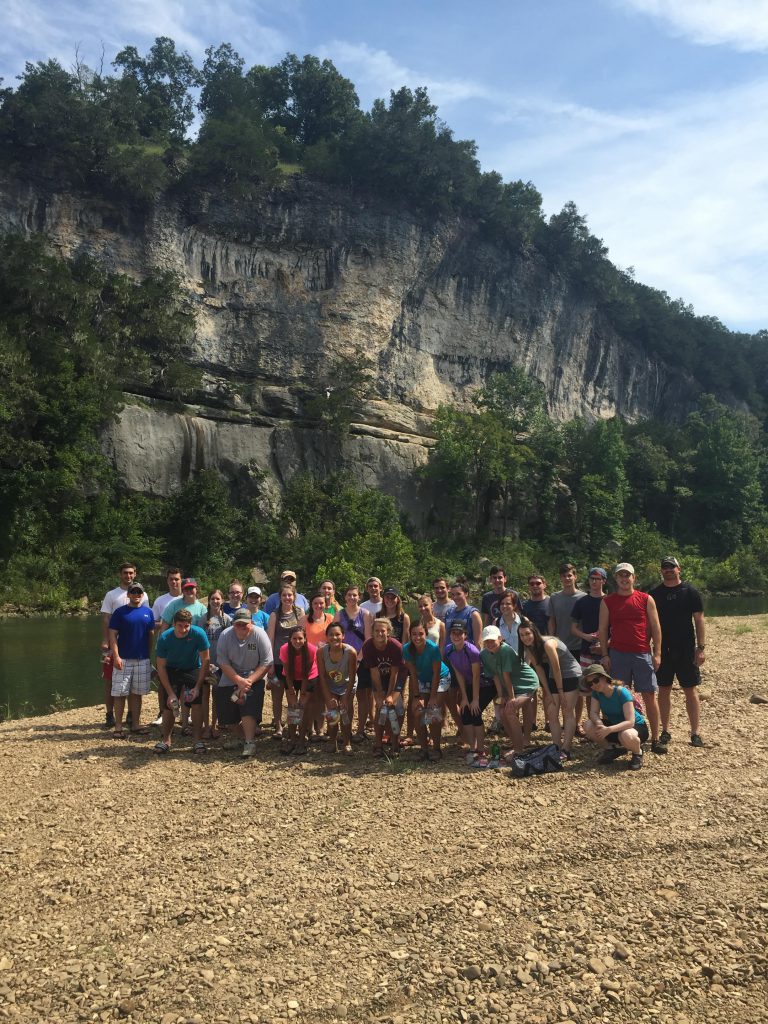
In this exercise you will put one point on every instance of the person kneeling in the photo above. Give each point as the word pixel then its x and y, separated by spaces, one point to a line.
pixel 622 728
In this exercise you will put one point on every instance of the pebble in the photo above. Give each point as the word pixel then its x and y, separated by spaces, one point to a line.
pixel 472 972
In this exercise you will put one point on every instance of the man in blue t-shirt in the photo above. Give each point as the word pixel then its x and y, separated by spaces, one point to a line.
pixel 182 665
pixel 130 631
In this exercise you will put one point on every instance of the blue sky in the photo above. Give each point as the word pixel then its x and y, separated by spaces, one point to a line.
pixel 652 115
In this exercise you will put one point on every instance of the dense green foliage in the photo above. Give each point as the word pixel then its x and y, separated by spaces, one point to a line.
pixel 595 492
pixel 126 135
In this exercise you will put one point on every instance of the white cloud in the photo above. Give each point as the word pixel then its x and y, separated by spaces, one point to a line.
pixel 375 72
pixel 682 196
pixel 742 24
pixel 33 30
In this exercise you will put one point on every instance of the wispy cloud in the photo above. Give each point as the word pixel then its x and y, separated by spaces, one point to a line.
pixel 742 24
pixel 33 30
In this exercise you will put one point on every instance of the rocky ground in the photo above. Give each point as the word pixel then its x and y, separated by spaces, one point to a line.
pixel 333 890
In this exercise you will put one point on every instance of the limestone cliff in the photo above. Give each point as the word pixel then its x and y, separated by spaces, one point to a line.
pixel 310 271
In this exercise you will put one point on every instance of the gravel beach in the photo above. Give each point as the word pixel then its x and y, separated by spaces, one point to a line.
pixel 334 889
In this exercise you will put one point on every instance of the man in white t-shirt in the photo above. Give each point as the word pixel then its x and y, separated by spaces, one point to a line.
pixel 114 599
pixel 373 605
pixel 173 581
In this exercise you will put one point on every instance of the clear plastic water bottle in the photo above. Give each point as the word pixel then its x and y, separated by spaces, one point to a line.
pixel 383 715
pixel 189 694
pixel 394 722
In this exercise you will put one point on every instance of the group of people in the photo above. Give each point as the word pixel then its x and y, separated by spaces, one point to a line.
pixel 348 668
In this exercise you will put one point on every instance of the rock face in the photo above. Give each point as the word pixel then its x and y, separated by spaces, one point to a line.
pixel 309 272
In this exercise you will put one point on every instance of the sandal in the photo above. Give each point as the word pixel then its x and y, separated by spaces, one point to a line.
pixel 143 731
pixel 407 742
pixel 357 738
pixel 199 748
pixel 300 749
pixel 119 734
pixel 162 748
pixel 287 748
pixel 423 756
pixel 277 734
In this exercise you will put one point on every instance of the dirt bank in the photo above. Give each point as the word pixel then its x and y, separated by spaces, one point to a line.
pixel 324 889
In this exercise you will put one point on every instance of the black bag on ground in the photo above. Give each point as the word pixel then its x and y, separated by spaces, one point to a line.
pixel 538 761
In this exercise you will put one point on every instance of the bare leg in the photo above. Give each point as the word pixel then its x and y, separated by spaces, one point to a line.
pixel 693 707
pixel 134 706
pixel 118 706
pixel 665 706
pixel 109 700
pixel 652 711
pixel 568 704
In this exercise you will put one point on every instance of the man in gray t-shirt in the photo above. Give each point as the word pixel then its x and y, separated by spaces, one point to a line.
pixel 244 654
pixel 561 606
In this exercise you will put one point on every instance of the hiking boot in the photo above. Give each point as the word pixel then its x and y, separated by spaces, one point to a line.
pixel 696 740
pixel 610 755
pixel 249 749
pixel 109 720
pixel 636 762
pixel 659 747
pixel 666 737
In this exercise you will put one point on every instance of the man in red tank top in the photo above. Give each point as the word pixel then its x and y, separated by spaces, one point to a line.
pixel 630 618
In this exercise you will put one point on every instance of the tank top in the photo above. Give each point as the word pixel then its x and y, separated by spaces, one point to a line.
pixel 337 671
pixel 628 618
pixel 433 632
pixel 316 630
pixel 569 667
pixel 465 616
pixel 283 626
pixel 354 629
pixel 213 629
pixel 397 628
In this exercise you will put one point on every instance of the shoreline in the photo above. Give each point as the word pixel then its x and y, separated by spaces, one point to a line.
pixel 332 890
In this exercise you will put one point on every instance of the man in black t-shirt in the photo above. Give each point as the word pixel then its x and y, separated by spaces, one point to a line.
pixel 489 606
pixel 681 614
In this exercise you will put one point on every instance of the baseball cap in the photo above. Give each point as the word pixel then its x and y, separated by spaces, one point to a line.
pixel 668 562
pixel 242 615
pixel 253 590
pixel 391 590
pixel 188 582
pixel 288 574
pixel 598 571
pixel 624 567
pixel 458 627
pixel 490 633
pixel 136 587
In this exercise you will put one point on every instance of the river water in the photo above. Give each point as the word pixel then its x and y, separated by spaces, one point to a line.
pixel 41 659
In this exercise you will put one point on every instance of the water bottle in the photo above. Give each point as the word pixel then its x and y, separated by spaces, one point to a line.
pixel 394 722
pixel 495 751
pixel 383 715
pixel 189 694
pixel 332 716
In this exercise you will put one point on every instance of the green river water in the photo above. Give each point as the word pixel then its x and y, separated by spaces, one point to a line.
pixel 42 658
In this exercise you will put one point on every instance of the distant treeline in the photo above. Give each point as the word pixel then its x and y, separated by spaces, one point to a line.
pixel 504 481
pixel 127 134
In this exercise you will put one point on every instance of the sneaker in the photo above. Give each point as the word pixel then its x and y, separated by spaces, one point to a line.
pixel 472 757
pixel 249 749
pixel 696 740
pixel 666 737
pixel 109 720
pixel 610 755
pixel 636 762
pixel 659 747
pixel 158 721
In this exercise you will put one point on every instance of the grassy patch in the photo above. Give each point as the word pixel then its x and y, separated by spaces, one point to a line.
pixel 289 169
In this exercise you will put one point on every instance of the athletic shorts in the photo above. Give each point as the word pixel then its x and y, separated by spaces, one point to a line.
pixel 570 683
pixel 642 732
pixel 134 677
pixel 633 670
pixel 442 687
pixel 181 679
pixel 230 713
pixel 680 664
pixel 485 697
pixel 363 677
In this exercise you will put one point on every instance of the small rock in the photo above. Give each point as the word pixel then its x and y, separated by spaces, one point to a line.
pixel 293 1004
pixel 524 977
pixel 620 951
pixel 609 986
pixel 5 963
pixel 596 966
pixel 472 972
pixel 758 698
pixel 393 876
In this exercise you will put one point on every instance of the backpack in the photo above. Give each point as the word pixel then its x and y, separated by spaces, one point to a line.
pixel 538 761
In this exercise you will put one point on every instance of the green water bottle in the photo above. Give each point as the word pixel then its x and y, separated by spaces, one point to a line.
pixel 495 751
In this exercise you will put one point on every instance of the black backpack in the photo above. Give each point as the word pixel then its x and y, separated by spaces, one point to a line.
pixel 538 761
